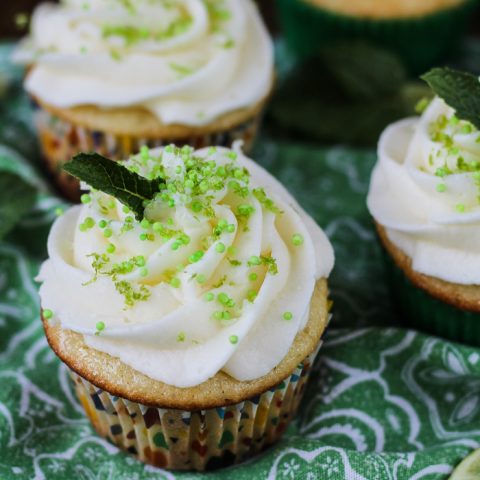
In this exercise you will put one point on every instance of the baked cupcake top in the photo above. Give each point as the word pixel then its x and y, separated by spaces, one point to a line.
pixel 217 276
pixel 187 61
pixel 383 9
pixel 425 190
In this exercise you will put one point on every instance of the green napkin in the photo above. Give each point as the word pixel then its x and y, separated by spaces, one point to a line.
pixel 382 403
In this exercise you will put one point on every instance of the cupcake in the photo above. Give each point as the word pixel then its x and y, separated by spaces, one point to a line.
pixel 424 196
pixel 190 312
pixel 420 32
pixel 111 76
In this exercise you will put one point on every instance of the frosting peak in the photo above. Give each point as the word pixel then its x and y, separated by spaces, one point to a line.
pixel 218 276
pixel 209 57
pixel 425 190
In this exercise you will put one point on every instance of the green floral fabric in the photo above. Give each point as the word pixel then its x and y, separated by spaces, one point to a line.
pixel 383 402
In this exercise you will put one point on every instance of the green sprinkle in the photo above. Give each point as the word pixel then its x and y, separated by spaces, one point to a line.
pixel 460 208
pixel 251 295
pixel 143 237
pixel 253 261
pixel 85 198
pixel 196 257
pixel 100 326
pixel 252 277
pixel 297 240
pixel 82 227
pixel 201 278
pixel 441 187
pixel 422 105
pixel 245 210
pixel 184 239
pixel 21 20
pixel 230 228
pixel 175 282
pixel 59 211
pixel 145 152
pixel 209 297
pixel 111 248
pixel 125 209
pixel 220 247
pixel 175 245
pixel 145 224
pixel 181 337
pixel 89 222
pixel 218 315
pixel 140 261
pixel 107 233
pixel 144 272
pixel 111 204
pixel 196 206
pixel 233 339
pixel 222 224
pixel 47 314
pixel 287 315
pixel 102 224
pixel 223 298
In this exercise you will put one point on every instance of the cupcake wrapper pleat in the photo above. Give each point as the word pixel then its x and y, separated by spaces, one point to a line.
pixel 197 440
pixel 421 311
pixel 60 140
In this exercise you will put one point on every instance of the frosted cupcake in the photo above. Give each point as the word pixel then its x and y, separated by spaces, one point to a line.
pixel 111 76
pixel 421 32
pixel 424 197
pixel 189 314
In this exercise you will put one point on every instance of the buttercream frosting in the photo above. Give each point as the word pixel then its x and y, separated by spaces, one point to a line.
pixel 187 61
pixel 425 192
pixel 214 281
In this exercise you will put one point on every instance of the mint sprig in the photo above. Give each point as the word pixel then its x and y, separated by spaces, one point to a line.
pixel 460 90
pixel 114 179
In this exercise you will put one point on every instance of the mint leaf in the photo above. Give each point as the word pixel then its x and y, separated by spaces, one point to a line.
pixel 364 71
pixel 114 179
pixel 17 197
pixel 460 90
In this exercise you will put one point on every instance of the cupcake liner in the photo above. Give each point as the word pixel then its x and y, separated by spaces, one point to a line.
pixel 420 310
pixel 197 440
pixel 60 140
pixel 420 41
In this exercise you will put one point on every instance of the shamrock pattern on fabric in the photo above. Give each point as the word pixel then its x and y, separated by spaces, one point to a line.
pixel 383 402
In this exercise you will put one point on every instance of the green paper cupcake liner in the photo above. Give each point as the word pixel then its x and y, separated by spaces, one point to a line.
pixel 198 440
pixel 418 309
pixel 420 41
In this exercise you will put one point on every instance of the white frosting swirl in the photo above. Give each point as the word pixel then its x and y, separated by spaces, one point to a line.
pixel 425 191
pixel 175 335
pixel 187 61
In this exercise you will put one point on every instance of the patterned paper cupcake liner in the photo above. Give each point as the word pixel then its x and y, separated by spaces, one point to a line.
pixel 421 42
pixel 197 440
pixel 60 140
pixel 421 311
